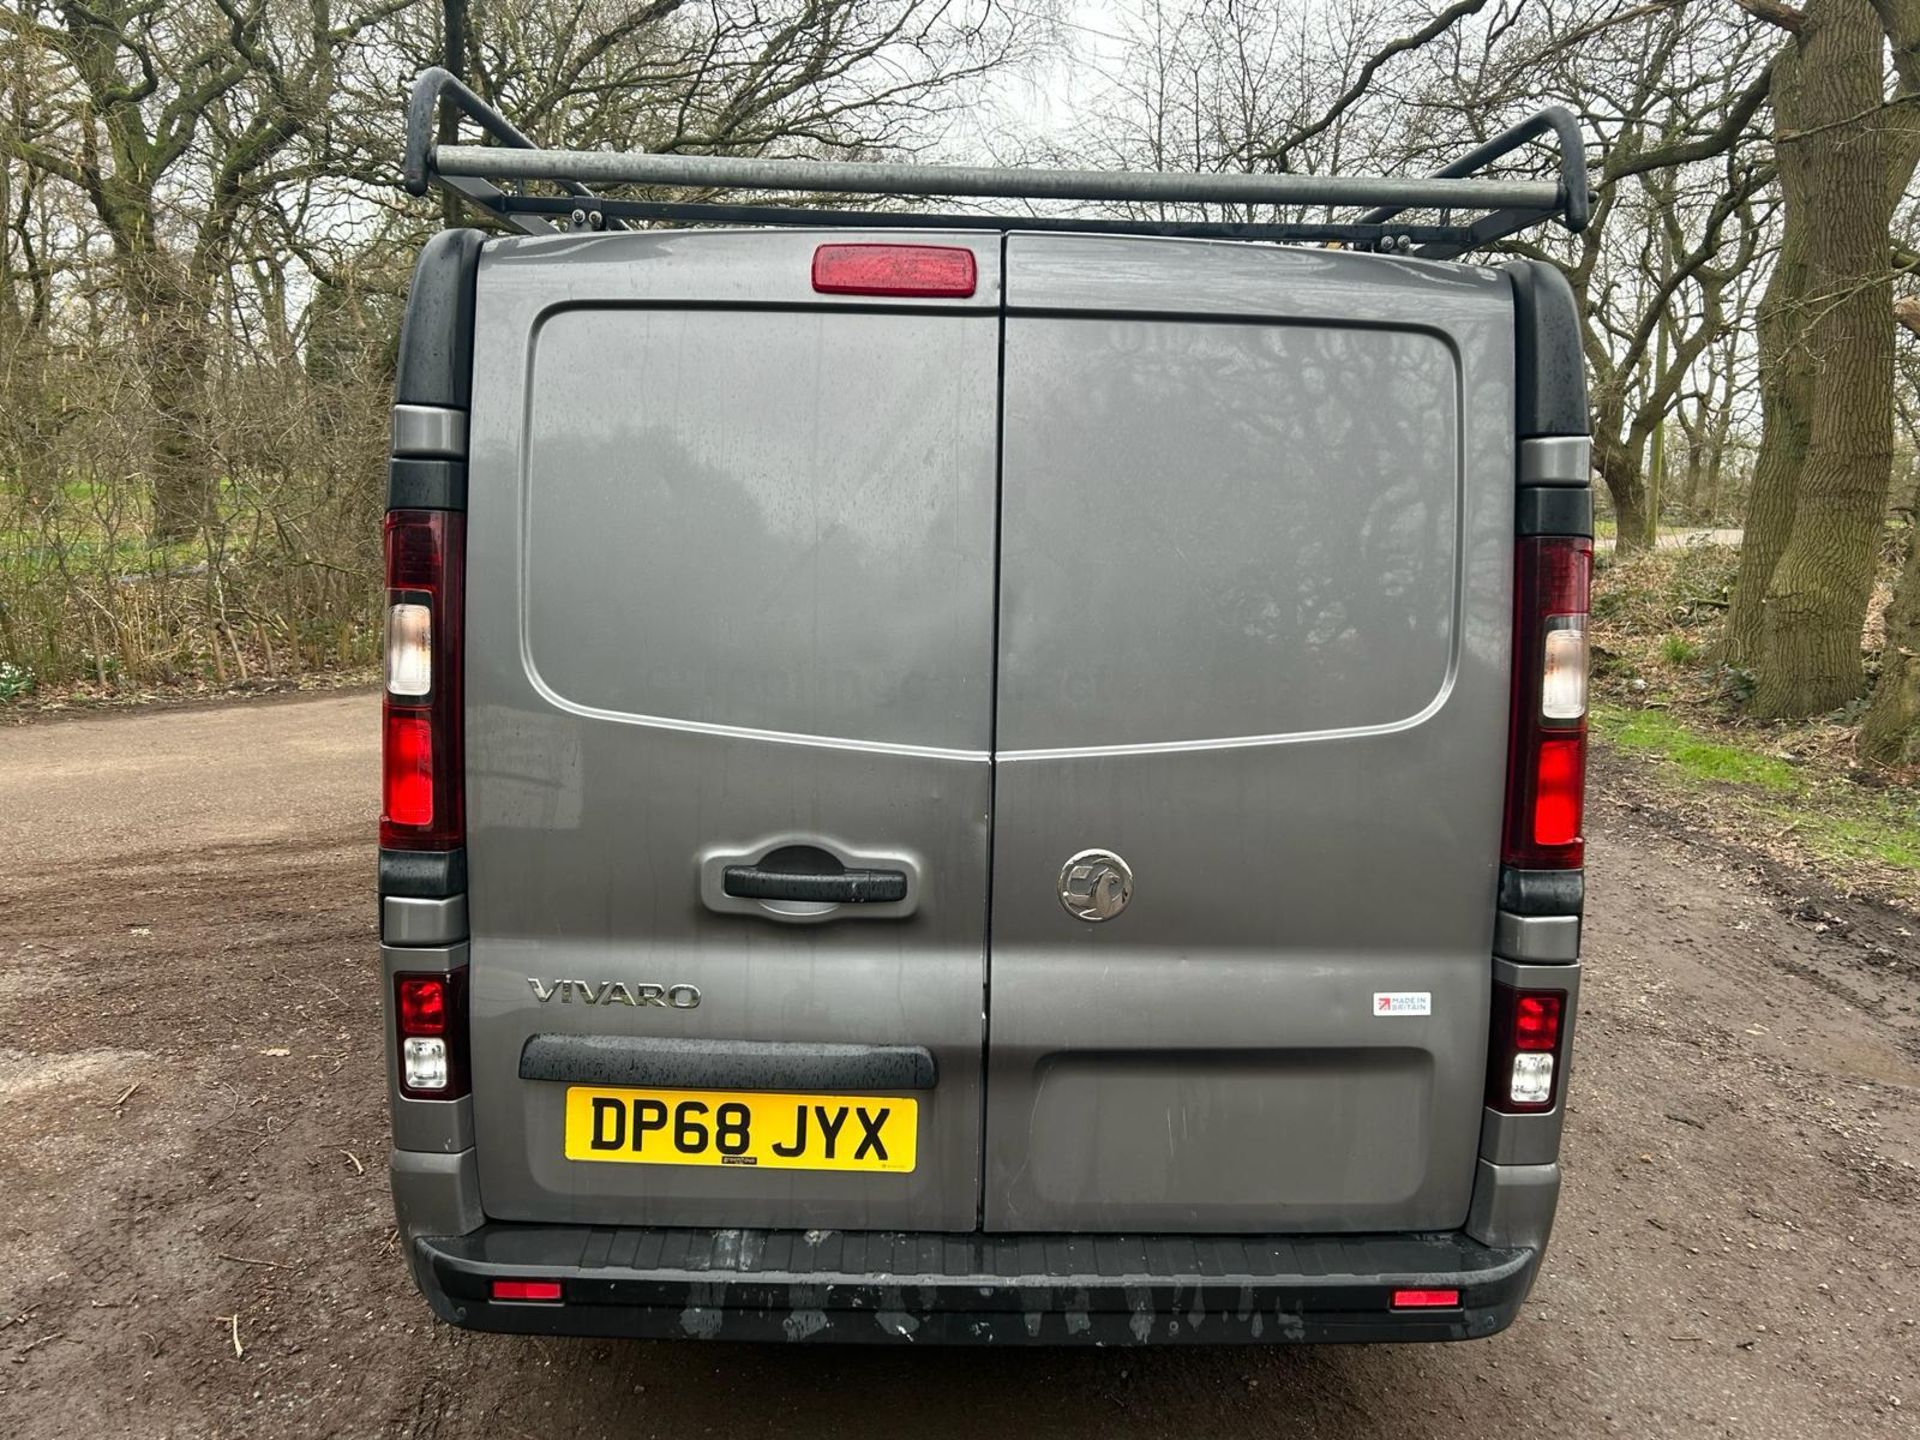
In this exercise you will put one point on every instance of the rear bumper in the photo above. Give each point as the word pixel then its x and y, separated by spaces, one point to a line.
pixel 761 1285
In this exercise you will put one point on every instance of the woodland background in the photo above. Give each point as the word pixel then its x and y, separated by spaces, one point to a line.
pixel 204 256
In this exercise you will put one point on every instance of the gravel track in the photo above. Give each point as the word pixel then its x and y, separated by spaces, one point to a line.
pixel 192 1148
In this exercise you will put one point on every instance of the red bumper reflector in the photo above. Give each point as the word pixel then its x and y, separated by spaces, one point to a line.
pixel 526 1289
pixel 938 272
pixel 1425 1299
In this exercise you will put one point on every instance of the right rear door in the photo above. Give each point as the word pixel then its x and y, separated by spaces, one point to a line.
pixel 1256 539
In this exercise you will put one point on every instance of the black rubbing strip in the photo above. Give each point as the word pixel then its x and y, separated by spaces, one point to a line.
pixel 1542 892
pixel 1553 510
pixel 414 483
pixel 423 874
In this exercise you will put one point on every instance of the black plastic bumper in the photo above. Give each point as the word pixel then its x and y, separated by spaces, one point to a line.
pixel 858 1286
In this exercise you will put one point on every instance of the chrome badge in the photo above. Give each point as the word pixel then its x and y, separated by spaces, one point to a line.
pixel 1095 885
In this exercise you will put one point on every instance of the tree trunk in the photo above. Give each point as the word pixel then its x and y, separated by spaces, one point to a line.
pixel 1619 467
pixel 1657 452
pixel 1716 467
pixel 1833 169
pixel 1786 403
pixel 1696 435
pixel 1888 733
pixel 173 343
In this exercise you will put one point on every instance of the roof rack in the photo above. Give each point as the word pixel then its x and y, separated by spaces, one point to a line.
pixel 1494 206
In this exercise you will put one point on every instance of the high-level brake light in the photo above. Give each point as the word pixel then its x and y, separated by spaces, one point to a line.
pixel 421 735
pixel 926 271
pixel 1547 736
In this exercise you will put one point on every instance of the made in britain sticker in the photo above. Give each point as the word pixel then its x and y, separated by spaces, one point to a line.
pixel 1403 1002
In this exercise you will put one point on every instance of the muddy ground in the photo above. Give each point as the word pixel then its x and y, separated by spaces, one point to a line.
pixel 192 1147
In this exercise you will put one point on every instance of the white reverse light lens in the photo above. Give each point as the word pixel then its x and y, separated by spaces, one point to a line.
pixel 1563 687
pixel 424 1064
pixel 409 650
pixel 1532 1078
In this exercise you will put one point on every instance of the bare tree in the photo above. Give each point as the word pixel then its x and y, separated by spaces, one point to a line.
pixel 202 249
pixel 1845 157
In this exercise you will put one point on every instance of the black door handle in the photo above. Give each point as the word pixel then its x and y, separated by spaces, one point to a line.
pixel 842 887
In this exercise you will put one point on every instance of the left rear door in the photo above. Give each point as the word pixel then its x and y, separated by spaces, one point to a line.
pixel 730 603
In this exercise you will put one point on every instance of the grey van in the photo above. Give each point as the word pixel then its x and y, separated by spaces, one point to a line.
pixel 956 778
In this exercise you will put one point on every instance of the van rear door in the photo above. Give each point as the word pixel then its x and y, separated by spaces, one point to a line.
pixel 1257 534
pixel 729 676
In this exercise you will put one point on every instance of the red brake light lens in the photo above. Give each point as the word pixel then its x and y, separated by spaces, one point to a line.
pixel 941 272
pixel 1559 783
pixel 408 762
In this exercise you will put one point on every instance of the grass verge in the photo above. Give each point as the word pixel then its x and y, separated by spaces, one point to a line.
pixel 1863 826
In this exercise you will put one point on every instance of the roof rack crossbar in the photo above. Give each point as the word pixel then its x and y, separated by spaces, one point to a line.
pixel 733 172
pixel 1499 205
pixel 692 212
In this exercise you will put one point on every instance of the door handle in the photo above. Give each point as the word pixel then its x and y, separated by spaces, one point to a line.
pixel 844 887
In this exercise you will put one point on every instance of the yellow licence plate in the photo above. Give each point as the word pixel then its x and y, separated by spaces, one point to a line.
pixel 780 1131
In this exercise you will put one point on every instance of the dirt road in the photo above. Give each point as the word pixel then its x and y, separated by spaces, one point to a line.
pixel 192 1147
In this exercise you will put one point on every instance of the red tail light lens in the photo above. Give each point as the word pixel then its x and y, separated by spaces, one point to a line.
pixel 1547 738
pixel 421 735
pixel 423 1004
pixel 1525 1052
pixel 931 271
pixel 1536 1020
pixel 408 760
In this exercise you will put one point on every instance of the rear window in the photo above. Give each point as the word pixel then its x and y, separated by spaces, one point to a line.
pixel 772 521
pixel 1225 530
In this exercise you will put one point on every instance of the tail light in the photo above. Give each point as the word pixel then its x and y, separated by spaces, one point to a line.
pixel 421 765
pixel 1547 738
pixel 430 1016
pixel 1526 1049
